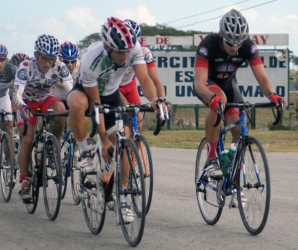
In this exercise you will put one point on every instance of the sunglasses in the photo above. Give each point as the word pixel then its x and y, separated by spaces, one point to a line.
pixel 232 45
pixel 3 59
pixel 69 61
pixel 44 59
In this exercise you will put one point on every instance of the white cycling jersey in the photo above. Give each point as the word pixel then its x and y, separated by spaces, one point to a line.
pixel 30 84
pixel 130 74
pixel 98 70
pixel 59 90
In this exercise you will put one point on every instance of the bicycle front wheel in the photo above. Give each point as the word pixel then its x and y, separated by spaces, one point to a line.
pixel 52 177
pixel 146 159
pixel 131 201
pixel 34 179
pixel 7 167
pixel 253 190
pixel 210 200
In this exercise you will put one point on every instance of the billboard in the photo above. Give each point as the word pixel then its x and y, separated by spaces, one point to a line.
pixel 175 70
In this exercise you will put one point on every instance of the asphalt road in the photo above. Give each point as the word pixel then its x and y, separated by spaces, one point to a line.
pixel 174 221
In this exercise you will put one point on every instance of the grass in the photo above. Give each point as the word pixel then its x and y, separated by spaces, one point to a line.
pixel 272 141
pixel 184 135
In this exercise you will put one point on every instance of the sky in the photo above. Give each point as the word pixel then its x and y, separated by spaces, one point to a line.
pixel 22 22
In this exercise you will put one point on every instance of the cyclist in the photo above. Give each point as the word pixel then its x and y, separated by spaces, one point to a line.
pixel 217 59
pixel 102 67
pixel 128 86
pixel 33 84
pixel 7 73
pixel 17 58
pixel 68 54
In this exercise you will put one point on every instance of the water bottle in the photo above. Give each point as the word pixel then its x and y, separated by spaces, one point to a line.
pixel 227 159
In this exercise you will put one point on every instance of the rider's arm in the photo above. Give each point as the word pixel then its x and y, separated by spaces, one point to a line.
pixel 17 95
pixel 200 80
pixel 152 71
pixel 93 96
pixel 262 78
pixel 146 83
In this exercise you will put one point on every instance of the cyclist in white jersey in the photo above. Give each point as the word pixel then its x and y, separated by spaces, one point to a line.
pixel 128 86
pixel 7 73
pixel 103 66
pixel 68 54
pixel 33 85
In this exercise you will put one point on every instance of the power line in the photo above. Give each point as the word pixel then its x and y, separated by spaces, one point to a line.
pixel 205 12
pixel 205 20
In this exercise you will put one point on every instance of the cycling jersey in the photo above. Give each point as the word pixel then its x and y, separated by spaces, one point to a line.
pixel 98 70
pixel 32 85
pixel 221 66
pixel 130 74
pixel 59 90
pixel 6 78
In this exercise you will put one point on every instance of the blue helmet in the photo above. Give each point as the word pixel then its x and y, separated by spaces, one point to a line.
pixel 3 50
pixel 47 45
pixel 69 51
pixel 136 28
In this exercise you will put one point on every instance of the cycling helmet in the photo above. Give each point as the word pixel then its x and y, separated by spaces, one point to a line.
pixel 69 51
pixel 136 28
pixel 117 35
pixel 17 58
pixel 3 50
pixel 48 45
pixel 233 27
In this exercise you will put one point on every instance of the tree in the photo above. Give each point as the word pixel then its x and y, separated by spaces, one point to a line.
pixel 88 40
pixel 147 30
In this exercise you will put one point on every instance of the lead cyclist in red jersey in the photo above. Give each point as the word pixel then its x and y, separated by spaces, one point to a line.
pixel 217 59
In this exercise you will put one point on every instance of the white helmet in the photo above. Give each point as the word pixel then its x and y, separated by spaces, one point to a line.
pixel 48 45
pixel 233 27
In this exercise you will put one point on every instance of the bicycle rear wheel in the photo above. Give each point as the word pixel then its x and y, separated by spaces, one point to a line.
pixel 146 159
pixel 93 198
pixel 210 200
pixel 253 190
pixel 52 177
pixel 134 206
pixel 34 179
pixel 7 167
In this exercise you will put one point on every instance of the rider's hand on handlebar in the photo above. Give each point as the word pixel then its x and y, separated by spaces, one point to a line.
pixel 25 112
pixel 274 98
pixel 214 102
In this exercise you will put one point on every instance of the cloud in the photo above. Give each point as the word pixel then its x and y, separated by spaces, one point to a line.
pixel 83 18
pixel 140 14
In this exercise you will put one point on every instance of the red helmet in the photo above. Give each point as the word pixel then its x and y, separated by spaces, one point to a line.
pixel 117 35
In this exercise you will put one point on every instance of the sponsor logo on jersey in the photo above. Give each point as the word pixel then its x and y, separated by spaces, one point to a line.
pixel 64 71
pixel 203 51
pixel 254 49
pixel 22 74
